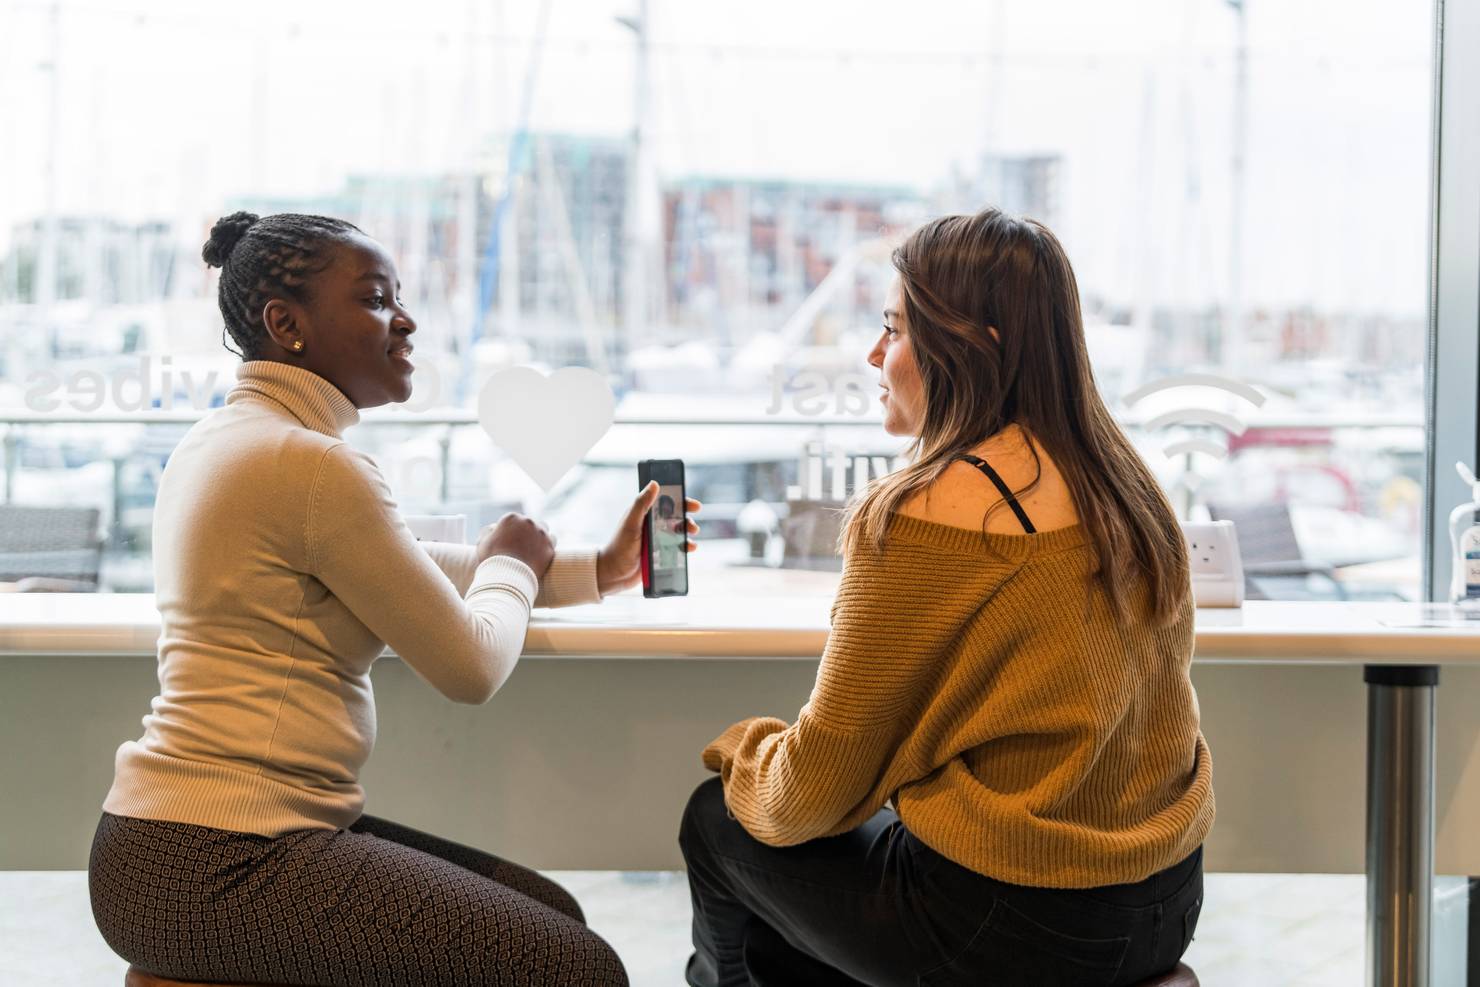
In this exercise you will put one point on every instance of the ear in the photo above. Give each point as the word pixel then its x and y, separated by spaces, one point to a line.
pixel 281 320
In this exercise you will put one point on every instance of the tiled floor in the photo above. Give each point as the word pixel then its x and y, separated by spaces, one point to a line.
pixel 1268 930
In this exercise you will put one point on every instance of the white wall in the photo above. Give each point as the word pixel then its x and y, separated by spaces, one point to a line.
pixel 586 763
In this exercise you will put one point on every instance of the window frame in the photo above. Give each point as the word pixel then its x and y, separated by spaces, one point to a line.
pixel 1453 373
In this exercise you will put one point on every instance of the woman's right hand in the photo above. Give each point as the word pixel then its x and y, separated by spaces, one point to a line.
pixel 519 538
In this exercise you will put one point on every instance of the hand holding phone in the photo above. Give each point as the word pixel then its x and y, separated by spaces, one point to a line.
pixel 665 530
pixel 619 564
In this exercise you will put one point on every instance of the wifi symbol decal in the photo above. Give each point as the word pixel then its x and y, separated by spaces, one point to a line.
pixel 1192 415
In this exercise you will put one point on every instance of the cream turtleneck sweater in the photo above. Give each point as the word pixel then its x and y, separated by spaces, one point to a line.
pixel 282 570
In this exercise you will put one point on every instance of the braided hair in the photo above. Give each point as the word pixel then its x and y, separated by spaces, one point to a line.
pixel 266 257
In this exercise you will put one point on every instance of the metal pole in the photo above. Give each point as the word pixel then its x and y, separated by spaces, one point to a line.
pixel 44 278
pixel 445 444
pixel 115 535
pixel 1235 348
pixel 638 305
pixel 1400 823
pixel 12 455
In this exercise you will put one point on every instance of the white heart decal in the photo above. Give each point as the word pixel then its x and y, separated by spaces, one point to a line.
pixel 546 424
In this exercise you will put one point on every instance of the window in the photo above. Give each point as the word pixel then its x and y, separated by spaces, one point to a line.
pixel 701 207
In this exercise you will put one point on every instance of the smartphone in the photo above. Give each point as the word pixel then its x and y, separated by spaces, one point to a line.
pixel 665 530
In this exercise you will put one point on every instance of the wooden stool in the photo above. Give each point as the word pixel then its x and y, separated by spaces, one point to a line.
pixel 1182 976
pixel 138 978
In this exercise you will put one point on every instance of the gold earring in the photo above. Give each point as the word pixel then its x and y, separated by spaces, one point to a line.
pixel 297 345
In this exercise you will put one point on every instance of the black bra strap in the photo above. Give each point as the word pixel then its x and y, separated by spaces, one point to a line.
pixel 1017 508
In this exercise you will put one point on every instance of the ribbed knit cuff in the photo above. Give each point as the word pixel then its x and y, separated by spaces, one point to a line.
pixel 722 748
pixel 570 580
pixel 507 571
pixel 150 785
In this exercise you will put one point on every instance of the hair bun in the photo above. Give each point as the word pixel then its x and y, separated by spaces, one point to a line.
pixel 224 235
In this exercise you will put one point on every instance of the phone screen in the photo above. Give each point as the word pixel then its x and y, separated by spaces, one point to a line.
pixel 667 532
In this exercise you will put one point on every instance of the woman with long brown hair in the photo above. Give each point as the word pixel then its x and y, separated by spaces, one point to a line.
pixel 999 775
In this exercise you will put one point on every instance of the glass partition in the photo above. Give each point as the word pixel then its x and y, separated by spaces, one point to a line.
pixel 702 208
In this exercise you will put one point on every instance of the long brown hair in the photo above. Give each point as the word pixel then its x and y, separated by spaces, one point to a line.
pixel 960 275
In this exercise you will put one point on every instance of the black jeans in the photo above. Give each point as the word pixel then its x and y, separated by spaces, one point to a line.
pixel 877 906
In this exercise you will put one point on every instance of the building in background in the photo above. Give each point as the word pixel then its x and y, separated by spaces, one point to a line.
pixel 744 254
pixel 1025 185
pixel 564 259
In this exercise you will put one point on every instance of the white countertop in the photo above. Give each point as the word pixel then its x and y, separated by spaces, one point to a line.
pixel 629 626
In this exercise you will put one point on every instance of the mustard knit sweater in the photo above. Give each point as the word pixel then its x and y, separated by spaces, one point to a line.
pixel 982 683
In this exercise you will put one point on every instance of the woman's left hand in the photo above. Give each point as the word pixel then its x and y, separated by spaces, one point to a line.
pixel 619 564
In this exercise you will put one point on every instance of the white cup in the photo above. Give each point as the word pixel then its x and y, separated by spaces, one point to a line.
pixel 438 527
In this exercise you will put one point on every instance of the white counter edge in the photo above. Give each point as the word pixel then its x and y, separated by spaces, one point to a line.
pixel 1264 632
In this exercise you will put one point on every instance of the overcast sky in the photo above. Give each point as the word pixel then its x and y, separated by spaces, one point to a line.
pixel 167 109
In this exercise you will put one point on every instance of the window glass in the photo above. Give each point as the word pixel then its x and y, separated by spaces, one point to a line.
pixel 698 201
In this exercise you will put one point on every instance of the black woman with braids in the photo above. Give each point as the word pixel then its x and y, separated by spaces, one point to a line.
pixel 233 845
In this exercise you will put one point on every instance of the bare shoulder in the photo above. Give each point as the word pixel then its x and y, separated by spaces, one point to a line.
pixel 963 495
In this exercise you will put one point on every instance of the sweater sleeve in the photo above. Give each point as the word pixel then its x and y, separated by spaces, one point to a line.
pixel 826 773
pixel 456 560
pixel 570 580
pixel 360 548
